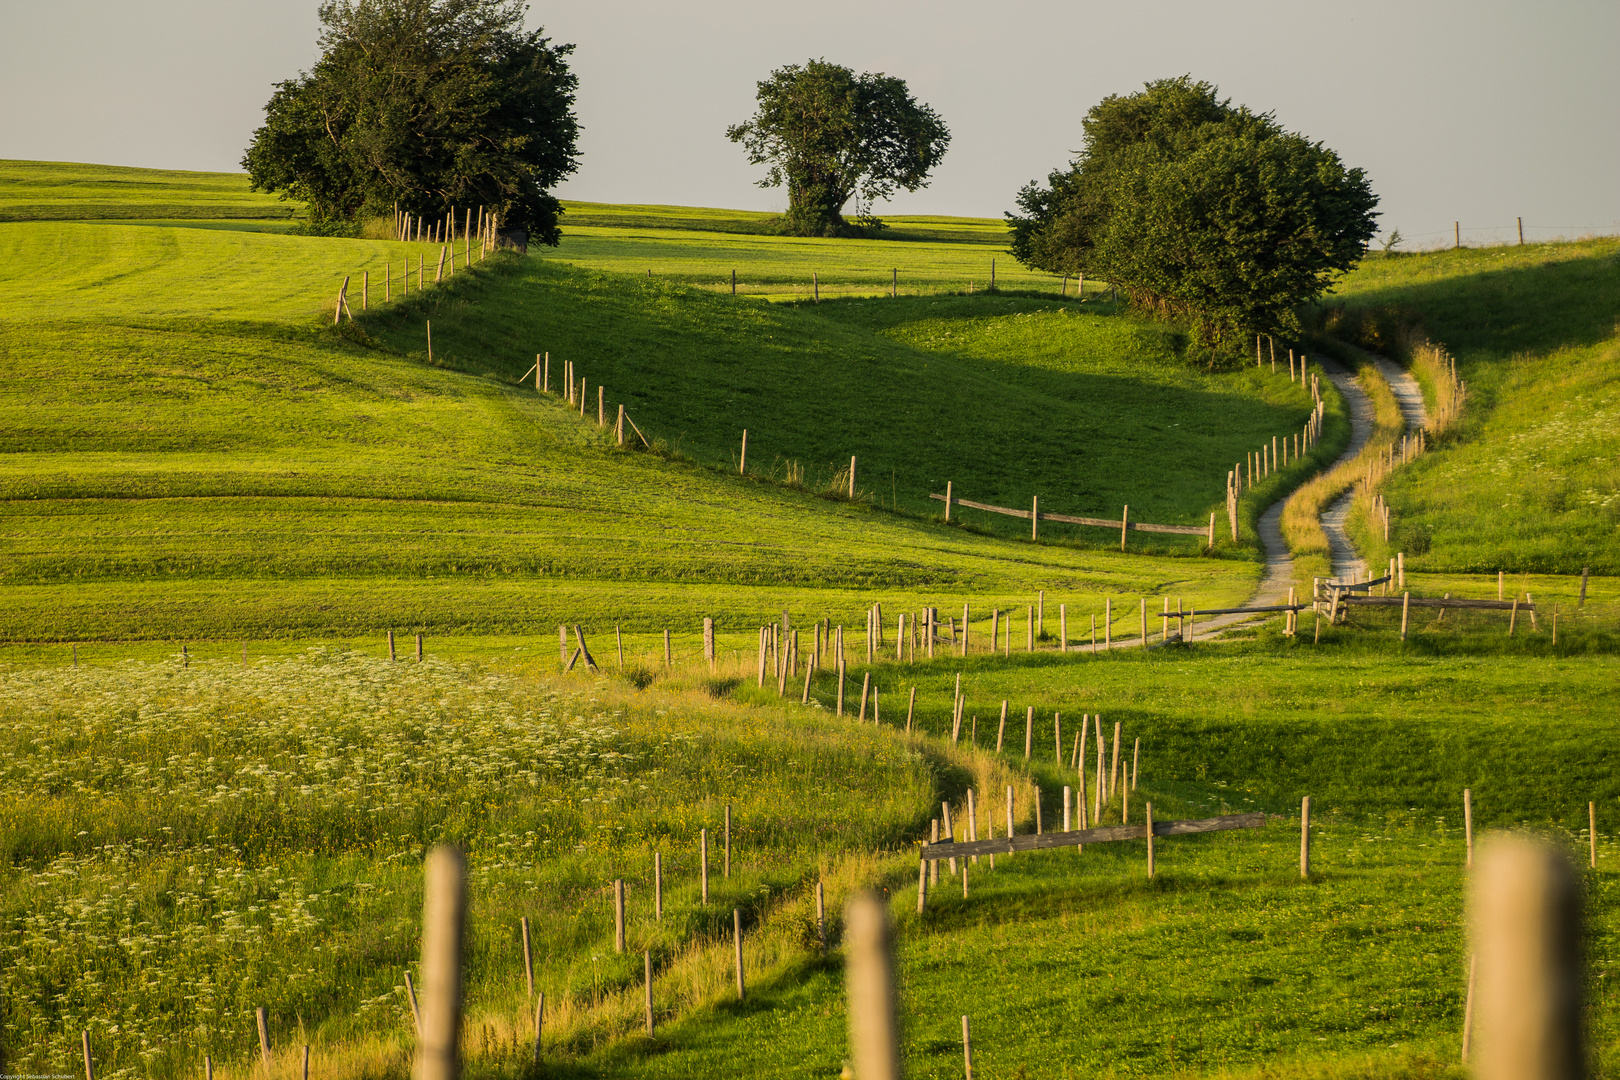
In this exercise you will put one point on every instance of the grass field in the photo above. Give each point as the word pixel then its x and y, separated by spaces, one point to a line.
pixel 61 190
pixel 193 454
pixel 208 825
pixel 1529 480
pixel 371 490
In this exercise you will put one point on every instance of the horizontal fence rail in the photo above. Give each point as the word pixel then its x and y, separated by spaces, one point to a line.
pixel 1006 845
pixel 1034 513
pixel 1453 602
pixel 1195 612
pixel 1355 586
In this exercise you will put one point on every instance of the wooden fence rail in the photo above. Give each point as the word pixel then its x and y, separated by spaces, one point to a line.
pixel 1036 515
pixel 1006 845
pixel 1450 602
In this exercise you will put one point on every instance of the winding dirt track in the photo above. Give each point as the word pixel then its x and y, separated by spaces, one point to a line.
pixel 1348 565
pixel 1347 562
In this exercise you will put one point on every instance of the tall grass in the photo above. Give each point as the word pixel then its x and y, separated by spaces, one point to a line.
pixel 187 843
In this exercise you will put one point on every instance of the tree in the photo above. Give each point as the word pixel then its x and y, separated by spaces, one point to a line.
pixel 1198 210
pixel 426 104
pixel 831 134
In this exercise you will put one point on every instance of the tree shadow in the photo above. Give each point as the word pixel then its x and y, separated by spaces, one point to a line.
pixel 814 392
pixel 1544 299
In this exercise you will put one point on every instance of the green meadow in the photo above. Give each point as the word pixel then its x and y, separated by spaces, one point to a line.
pixel 1530 480
pixel 219 789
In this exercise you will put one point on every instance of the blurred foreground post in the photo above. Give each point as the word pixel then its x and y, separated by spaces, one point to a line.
pixel 444 907
pixel 874 1034
pixel 1525 921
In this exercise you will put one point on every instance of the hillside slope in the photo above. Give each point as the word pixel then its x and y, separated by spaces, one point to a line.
pixel 1530 480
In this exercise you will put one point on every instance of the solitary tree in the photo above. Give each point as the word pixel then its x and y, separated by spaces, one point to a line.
pixel 830 135
pixel 426 104
pixel 1198 210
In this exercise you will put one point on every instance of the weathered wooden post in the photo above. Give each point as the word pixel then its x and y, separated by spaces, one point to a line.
pixel 736 931
pixel 874 1030
pixel 1526 927
pixel 1149 830
pixel 646 962
pixel 1468 824
pixel 618 915
pixel 528 960
pixel 444 905
pixel 1305 837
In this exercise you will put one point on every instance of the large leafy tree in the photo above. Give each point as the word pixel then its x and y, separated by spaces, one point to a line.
pixel 830 135
pixel 1198 210
pixel 427 104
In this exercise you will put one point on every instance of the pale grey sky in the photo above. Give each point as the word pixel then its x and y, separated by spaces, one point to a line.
pixel 1475 111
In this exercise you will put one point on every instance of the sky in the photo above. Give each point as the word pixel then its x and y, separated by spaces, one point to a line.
pixel 1474 112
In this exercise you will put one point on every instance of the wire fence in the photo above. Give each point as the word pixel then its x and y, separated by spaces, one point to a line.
pixel 1514 232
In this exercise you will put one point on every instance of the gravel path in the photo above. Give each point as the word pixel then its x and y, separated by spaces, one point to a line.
pixel 1347 562
pixel 1348 565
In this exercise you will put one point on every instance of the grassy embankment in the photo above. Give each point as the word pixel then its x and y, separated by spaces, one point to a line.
pixel 1529 480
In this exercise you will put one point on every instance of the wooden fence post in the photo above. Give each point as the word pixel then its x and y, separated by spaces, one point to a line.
pixel 703 862
pixel 821 916
pixel 1149 830
pixel 1591 829
pixel 742 460
pixel 646 961
pixel 736 930
pixel 1124 525
pixel 948 494
pixel 1468 824
pixel 264 1038
pixel 618 915
pixel 1526 926
pixel 874 1030
pixel 1305 837
pixel 967 1044
pixel 528 960
pixel 539 1023
pixel 444 904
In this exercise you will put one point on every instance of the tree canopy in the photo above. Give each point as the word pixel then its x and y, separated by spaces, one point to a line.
pixel 428 104
pixel 832 135
pixel 1198 209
